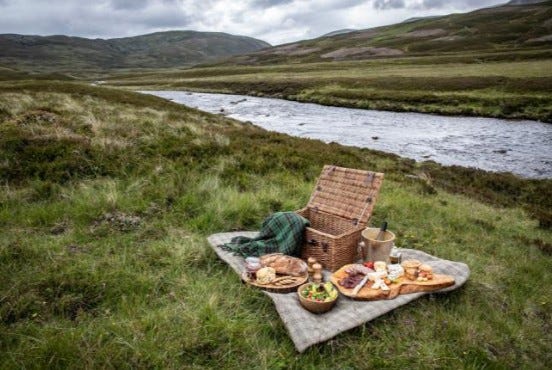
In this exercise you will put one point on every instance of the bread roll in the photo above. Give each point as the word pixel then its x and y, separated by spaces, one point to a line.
pixel 265 275
pixel 426 268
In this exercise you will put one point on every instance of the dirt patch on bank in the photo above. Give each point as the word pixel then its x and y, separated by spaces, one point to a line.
pixel 430 32
pixel 292 50
pixel 449 38
pixel 365 34
pixel 541 39
pixel 361 51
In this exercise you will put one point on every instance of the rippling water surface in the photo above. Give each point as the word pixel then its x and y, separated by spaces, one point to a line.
pixel 521 147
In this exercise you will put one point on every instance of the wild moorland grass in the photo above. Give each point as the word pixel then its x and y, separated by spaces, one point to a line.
pixel 107 198
pixel 462 84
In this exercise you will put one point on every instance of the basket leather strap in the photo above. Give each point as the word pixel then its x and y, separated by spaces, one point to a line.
pixel 331 169
pixel 369 178
pixel 368 202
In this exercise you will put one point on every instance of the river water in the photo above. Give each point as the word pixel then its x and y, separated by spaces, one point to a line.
pixel 519 146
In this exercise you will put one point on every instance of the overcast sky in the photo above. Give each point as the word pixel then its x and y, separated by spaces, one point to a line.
pixel 275 21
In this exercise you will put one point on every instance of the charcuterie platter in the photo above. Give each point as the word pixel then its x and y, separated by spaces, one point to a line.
pixel 378 287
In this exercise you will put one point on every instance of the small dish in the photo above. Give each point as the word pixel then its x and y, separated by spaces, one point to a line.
pixel 317 306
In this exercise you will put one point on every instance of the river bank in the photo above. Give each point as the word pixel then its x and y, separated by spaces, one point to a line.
pixel 497 189
pixel 453 85
pixel 520 147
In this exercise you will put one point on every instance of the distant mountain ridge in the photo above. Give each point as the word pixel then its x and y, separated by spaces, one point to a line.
pixel 415 19
pixel 525 2
pixel 521 25
pixel 155 50
pixel 338 32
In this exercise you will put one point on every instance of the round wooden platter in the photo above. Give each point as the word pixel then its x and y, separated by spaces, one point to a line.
pixel 403 286
pixel 276 288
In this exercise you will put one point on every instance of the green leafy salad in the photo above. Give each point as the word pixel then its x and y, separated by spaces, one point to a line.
pixel 320 292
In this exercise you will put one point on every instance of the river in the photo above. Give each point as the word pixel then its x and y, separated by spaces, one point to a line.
pixel 519 146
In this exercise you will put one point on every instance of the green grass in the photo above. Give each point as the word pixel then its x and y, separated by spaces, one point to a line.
pixel 107 198
pixel 505 89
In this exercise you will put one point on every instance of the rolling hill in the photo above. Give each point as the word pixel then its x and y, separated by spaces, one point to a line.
pixel 156 50
pixel 338 32
pixel 510 27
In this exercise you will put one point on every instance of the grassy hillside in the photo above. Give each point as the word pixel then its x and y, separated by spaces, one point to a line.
pixel 507 28
pixel 156 50
pixel 107 197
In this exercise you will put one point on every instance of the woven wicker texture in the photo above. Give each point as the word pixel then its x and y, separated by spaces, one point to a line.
pixel 340 206
pixel 346 192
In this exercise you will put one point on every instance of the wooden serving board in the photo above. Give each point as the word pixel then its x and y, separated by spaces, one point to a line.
pixel 276 288
pixel 403 286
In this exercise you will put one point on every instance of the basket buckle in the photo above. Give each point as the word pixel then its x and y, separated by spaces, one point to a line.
pixel 369 178
pixel 324 245
pixel 355 221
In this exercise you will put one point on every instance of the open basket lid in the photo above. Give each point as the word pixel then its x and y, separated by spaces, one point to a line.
pixel 346 192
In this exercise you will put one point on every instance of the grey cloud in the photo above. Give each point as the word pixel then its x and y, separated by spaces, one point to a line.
pixel 462 4
pixel 432 4
pixel 315 5
pixel 129 4
pixel 269 3
pixel 166 20
pixel 388 4
pixel 276 21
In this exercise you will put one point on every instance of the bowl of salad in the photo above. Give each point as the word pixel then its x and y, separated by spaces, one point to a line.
pixel 317 298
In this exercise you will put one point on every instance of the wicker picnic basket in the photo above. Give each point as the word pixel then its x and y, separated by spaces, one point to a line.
pixel 338 211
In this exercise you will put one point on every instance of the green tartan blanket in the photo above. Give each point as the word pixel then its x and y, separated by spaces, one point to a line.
pixel 282 232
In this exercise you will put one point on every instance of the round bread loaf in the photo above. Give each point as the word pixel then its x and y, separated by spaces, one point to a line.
pixel 265 275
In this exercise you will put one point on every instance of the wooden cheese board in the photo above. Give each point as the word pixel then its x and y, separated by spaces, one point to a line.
pixel 403 286
pixel 286 288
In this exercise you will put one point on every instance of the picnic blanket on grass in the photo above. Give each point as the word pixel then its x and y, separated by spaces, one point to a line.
pixel 281 232
pixel 307 329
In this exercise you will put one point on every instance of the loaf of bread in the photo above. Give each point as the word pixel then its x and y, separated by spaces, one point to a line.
pixel 284 265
